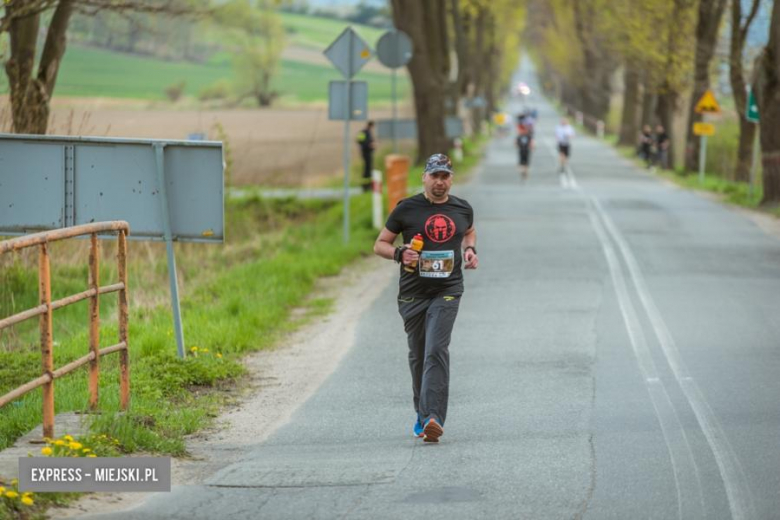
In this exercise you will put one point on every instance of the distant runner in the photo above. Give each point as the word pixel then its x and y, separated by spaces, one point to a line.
pixel 564 133
pixel 524 144
pixel 429 295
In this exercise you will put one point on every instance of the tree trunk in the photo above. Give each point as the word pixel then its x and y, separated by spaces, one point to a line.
pixel 30 96
pixel 648 106
pixel 710 14
pixel 628 124
pixel 767 89
pixel 422 22
pixel 23 33
pixel 747 130
pixel 747 134
pixel 667 105
pixel 491 59
pixel 478 72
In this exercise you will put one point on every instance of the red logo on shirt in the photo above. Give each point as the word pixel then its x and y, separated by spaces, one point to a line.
pixel 440 228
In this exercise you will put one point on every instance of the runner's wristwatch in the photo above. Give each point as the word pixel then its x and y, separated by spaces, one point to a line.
pixel 398 254
pixel 470 247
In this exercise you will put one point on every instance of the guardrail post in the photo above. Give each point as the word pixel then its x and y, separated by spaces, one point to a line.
pixel 47 358
pixel 94 321
pixel 124 369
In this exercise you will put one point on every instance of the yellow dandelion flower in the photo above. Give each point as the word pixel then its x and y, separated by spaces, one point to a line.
pixel 205 350
pixel 194 349
pixel 27 501
pixel 67 438
pixel 2 490
pixel 47 451
pixel 86 450
pixel 91 455
pixel 75 445
pixel 59 442
pixel 14 481
pixel 219 355
pixel 11 494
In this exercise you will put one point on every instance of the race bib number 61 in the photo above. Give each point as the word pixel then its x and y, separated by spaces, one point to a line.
pixel 436 264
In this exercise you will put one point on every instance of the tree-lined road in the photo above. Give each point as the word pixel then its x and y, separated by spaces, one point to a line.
pixel 616 356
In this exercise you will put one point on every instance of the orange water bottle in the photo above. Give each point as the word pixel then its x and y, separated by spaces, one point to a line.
pixel 415 245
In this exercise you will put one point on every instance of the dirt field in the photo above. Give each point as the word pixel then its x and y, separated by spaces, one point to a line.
pixel 278 147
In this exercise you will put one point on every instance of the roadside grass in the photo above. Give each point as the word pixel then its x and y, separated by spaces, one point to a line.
pixel 719 168
pixel 236 299
pixel 737 193
pixel 92 72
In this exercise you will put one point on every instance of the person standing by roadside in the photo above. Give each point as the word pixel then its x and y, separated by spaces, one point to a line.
pixel 429 294
pixel 661 147
pixel 646 145
pixel 564 133
pixel 367 146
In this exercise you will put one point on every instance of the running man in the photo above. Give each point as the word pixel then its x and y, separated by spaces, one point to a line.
pixel 429 297
pixel 563 135
pixel 524 144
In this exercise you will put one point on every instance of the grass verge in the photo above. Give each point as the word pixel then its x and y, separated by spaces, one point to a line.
pixel 235 299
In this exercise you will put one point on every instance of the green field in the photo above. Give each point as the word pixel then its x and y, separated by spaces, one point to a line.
pixel 91 72
pixel 318 33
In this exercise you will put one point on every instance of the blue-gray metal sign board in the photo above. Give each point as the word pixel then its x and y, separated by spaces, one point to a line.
pixel 337 101
pixel 349 53
pixel 394 49
pixel 404 128
pixel 51 182
pixel 407 128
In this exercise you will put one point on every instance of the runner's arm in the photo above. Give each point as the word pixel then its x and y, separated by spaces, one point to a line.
pixel 470 256
pixel 384 247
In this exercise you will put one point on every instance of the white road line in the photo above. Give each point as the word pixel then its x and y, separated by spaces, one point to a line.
pixel 690 499
pixel 731 470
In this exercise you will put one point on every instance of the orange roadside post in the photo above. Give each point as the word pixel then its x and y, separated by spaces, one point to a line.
pixel 397 174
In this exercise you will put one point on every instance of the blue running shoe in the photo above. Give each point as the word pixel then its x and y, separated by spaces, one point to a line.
pixel 432 431
pixel 418 427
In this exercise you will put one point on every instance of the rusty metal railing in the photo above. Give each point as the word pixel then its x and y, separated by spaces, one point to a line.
pixel 44 310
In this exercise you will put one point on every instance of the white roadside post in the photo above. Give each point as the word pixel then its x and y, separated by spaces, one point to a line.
pixel 376 185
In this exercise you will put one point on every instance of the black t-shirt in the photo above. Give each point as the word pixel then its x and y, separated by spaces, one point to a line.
pixel 442 227
pixel 523 141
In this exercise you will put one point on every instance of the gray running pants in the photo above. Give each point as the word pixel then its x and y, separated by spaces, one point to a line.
pixel 428 323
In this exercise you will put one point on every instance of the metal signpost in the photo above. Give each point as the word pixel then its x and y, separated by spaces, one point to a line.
pixel 752 115
pixel 166 190
pixel 349 53
pixel 394 50
pixel 706 105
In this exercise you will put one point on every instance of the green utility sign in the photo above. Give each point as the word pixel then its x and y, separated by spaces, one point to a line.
pixel 751 111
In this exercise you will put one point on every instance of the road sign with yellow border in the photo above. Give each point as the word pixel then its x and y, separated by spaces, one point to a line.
pixel 707 104
pixel 703 129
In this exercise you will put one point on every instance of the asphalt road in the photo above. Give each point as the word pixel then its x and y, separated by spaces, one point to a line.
pixel 617 355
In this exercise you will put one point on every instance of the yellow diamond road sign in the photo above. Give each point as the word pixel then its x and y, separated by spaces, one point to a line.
pixel 708 104
pixel 703 129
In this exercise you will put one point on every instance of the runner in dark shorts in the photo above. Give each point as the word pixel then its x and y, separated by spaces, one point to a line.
pixel 524 143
